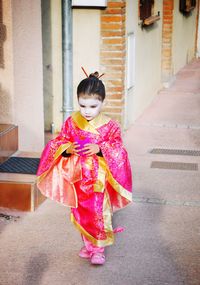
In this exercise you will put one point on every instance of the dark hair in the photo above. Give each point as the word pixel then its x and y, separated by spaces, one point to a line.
pixel 92 85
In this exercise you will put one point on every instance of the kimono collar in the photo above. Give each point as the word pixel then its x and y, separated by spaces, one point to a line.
pixel 92 125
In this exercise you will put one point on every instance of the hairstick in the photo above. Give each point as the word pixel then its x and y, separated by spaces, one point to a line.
pixel 84 71
pixel 101 75
pixel 87 74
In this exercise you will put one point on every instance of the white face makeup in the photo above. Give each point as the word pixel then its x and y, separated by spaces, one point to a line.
pixel 89 107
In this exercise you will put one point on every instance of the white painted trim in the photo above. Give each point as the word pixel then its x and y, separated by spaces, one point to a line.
pixel 89 3
pixel 130 60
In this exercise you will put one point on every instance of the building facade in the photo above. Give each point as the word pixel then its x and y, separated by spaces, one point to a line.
pixel 139 45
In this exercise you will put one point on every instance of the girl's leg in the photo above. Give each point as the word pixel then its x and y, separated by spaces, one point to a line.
pixel 90 247
pixel 95 253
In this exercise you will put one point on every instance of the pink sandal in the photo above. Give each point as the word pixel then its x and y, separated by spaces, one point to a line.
pixel 98 258
pixel 84 253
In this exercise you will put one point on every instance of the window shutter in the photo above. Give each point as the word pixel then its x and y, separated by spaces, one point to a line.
pixel 145 9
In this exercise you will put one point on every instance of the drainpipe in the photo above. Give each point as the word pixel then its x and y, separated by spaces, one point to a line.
pixel 67 107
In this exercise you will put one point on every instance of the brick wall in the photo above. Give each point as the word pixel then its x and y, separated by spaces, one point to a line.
pixel 167 33
pixel 112 57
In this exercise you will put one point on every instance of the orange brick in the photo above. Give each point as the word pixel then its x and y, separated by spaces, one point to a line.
pixel 110 19
pixel 112 83
pixel 169 46
pixel 113 33
pixel 116 4
pixel 115 41
pixel 167 41
pixel 167 52
pixel 111 68
pixel 113 47
pixel 111 26
pixel 167 26
pixel 168 16
pixel 109 76
pixel 112 11
pixel 168 4
pixel 114 103
pixel 112 61
pixel 112 54
pixel 167 13
pixel 114 96
pixel 115 89
pixel 167 35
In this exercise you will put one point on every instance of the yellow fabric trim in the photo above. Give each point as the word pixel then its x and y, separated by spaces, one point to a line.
pixel 121 190
pixel 39 178
pixel 89 162
pixel 101 243
pixel 104 173
pixel 92 125
pixel 59 151
pixel 99 185
pixel 107 217
pixel 75 194
pixel 99 121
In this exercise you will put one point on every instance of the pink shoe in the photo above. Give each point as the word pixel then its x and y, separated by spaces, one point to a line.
pixel 84 253
pixel 98 258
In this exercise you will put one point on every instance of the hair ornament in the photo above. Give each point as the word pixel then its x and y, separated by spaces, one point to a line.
pixel 95 74
pixel 84 71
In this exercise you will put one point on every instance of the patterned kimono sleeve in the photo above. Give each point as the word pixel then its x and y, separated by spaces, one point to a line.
pixel 116 156
pixel 55 147
pixel 56 174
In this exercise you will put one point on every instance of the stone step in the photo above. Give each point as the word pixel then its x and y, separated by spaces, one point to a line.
pixel 8 141
pixel 19 191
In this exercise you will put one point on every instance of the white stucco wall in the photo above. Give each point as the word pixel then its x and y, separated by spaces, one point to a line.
pixel 198 37
pixel 28 82
pixel 86 44
pixel 47 63
pixel 183 47
pixel 148 43
pixel 57 81
pixel 52 63
pixel 6 73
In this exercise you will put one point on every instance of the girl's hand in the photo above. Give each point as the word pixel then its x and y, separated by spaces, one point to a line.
pixel 90 149
pixel 72 149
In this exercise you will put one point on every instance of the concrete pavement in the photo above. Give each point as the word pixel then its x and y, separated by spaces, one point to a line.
pixel 161 244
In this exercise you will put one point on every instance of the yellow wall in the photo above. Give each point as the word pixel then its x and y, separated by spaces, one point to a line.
pixel 6 73
pixel 86 44
pixel 28 83
pixel 57 86
pixel 183 37
pixel 147 61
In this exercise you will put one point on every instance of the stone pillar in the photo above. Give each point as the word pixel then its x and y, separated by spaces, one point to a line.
pixel 112 57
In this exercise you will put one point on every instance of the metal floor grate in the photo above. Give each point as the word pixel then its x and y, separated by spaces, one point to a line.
pixel 158 201
pixel 26 165
pixel 174 165
pixel 175 151
pixel 8 217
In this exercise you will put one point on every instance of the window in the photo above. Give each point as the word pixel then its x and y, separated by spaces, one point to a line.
pixel 89 3
pixel 186 6
pixel 146 7
pixel 146 12
pixel 130 61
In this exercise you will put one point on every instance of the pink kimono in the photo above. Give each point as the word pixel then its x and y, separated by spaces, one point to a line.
pixel 93 186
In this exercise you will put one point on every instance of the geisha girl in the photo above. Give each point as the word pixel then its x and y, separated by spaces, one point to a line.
pixel 86 167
